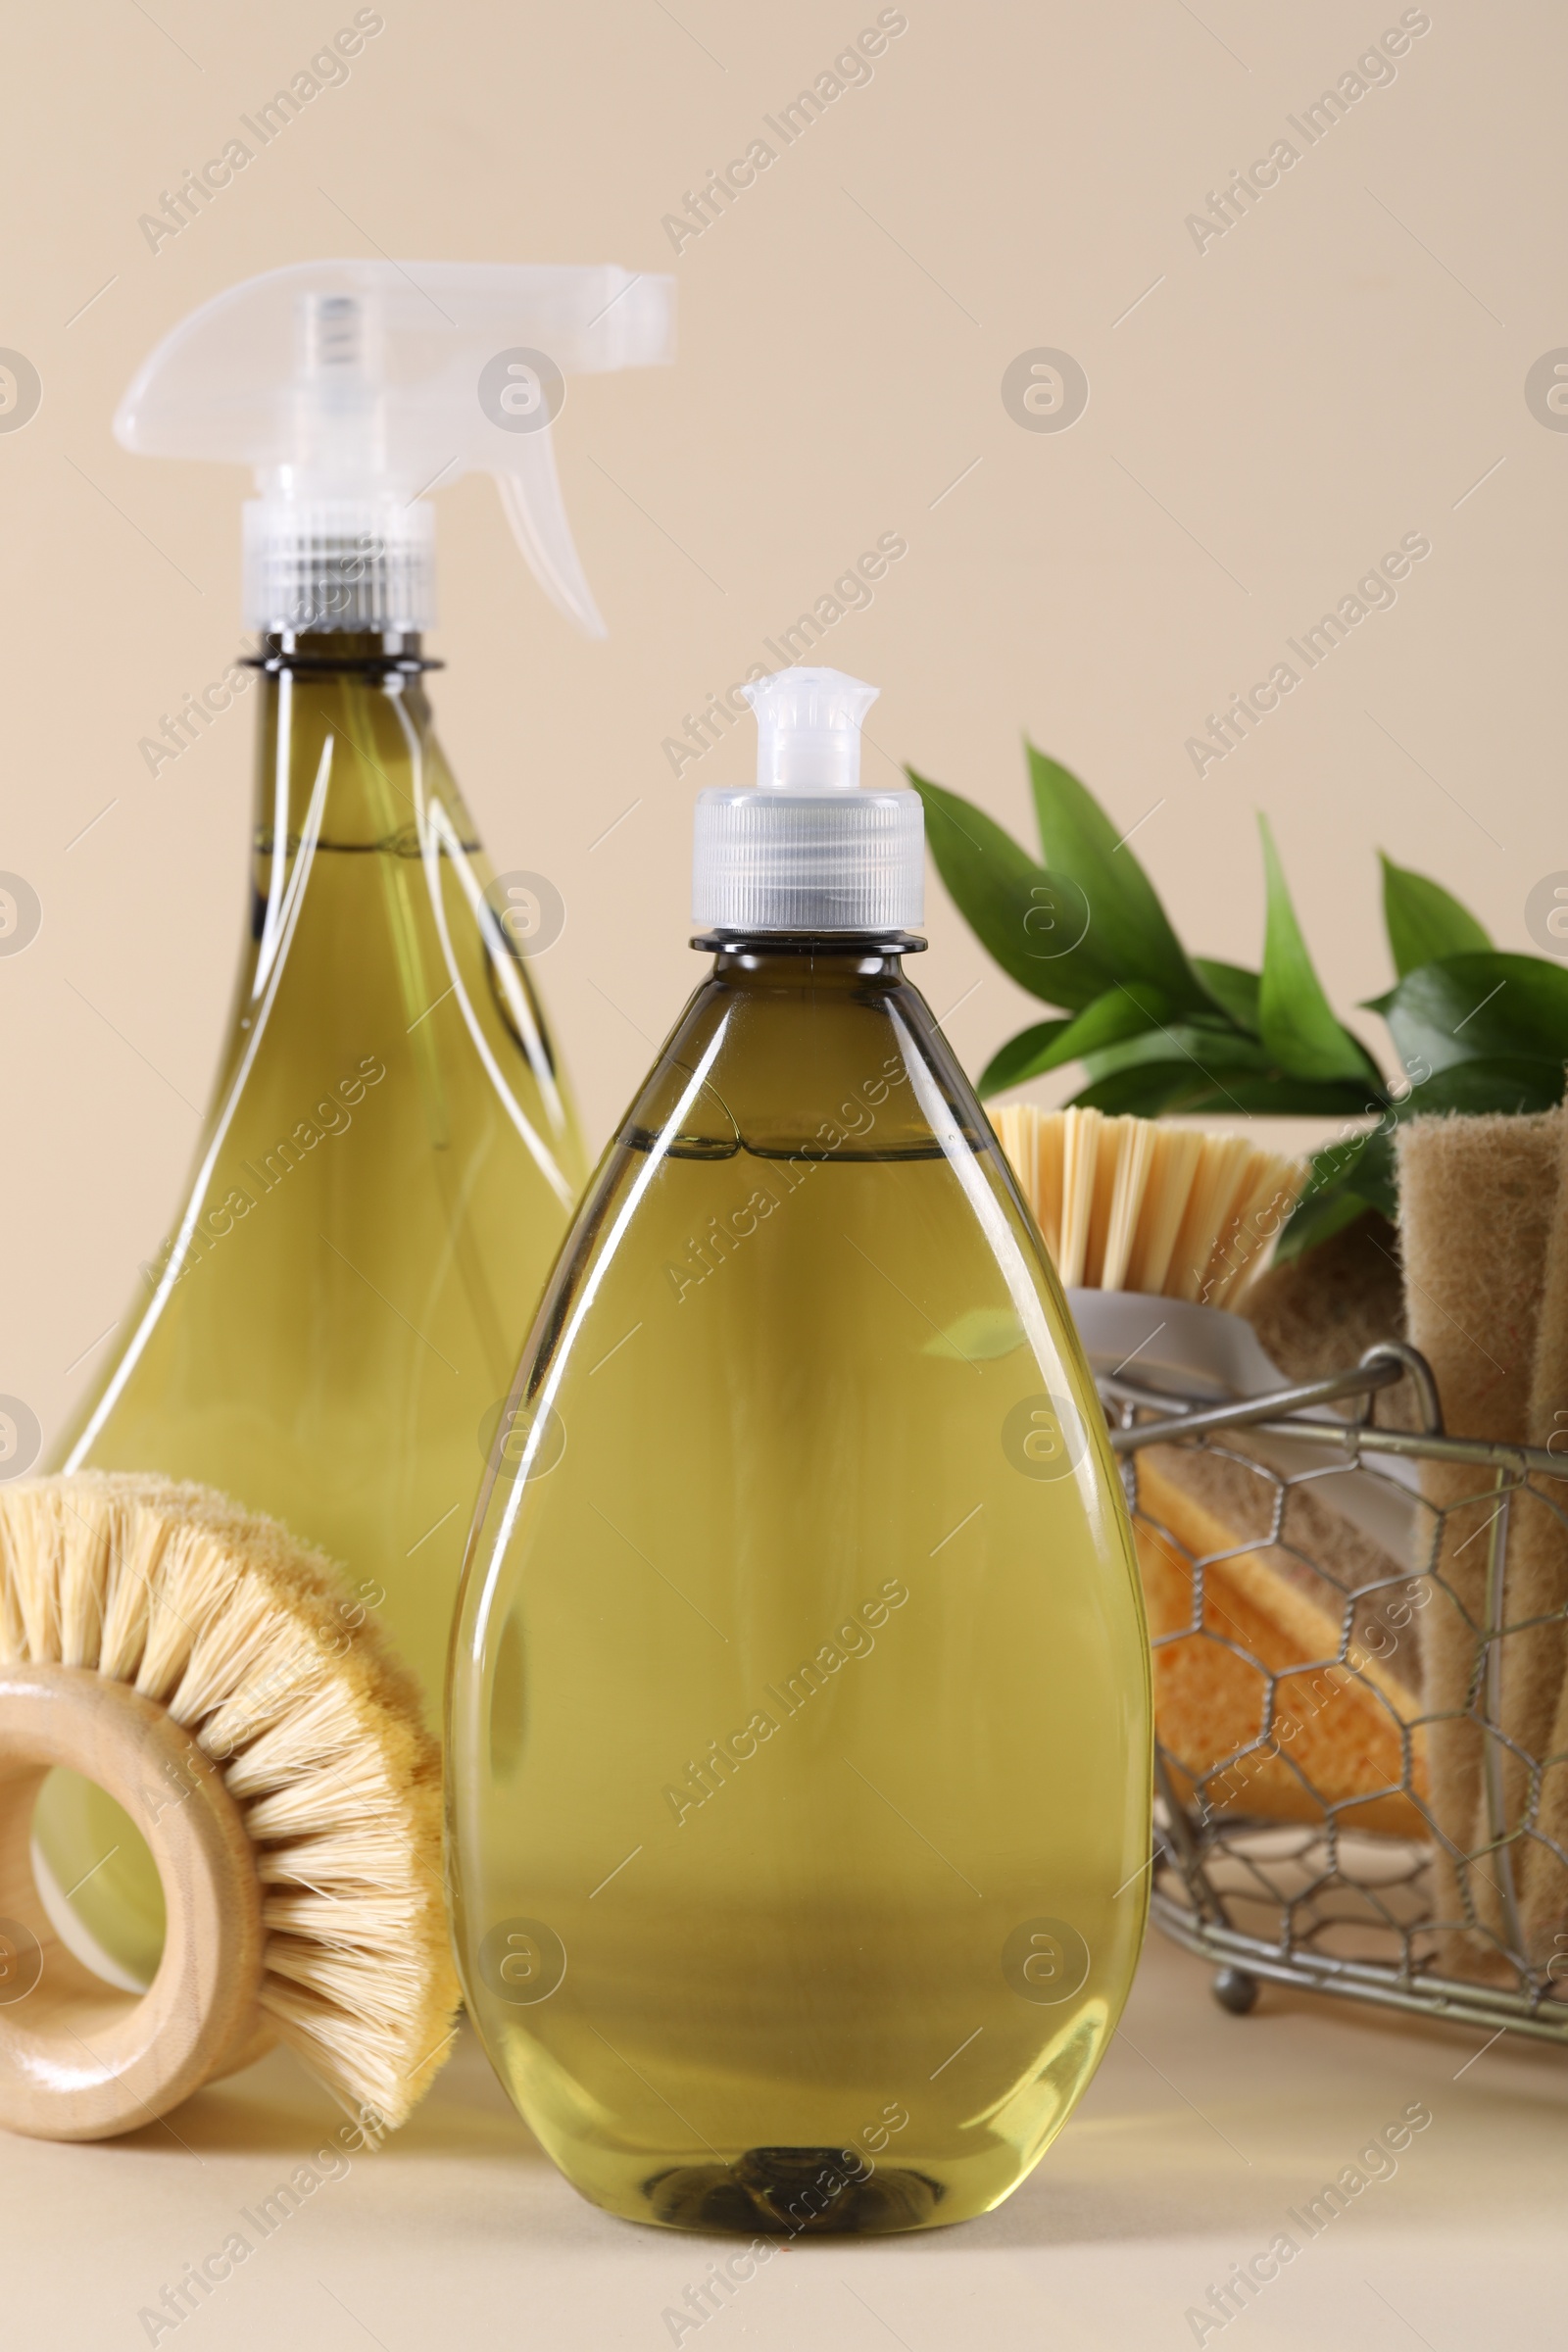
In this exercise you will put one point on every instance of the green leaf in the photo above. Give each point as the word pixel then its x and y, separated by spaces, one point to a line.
pixel 1424 921
pixel 1154 1089
pixel 1338 1164
pixel 1509 1011
pixel 1121 1012
pixel 1189 1067
pixel 1225 1053
pixel 1511 1086
pixel 1360 1171
pixel 1036 924
pixel 1216 1052
pixel 1314 1218
pixel 1349 1177
pixel 1233 989
pixel 1371 1176
pixel 1132 929
pixel 1212 1066
pixel 1019 1059
pixel 1297 1020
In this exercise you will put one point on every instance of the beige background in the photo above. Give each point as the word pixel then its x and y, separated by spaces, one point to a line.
pixel 1340 368
pixel 1266 417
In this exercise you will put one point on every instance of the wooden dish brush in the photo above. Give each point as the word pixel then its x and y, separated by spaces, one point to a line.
pixel 1135 1205
pixel 194 1662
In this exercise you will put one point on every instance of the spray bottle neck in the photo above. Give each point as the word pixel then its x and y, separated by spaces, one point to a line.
pixel 365 653
pixel 346 751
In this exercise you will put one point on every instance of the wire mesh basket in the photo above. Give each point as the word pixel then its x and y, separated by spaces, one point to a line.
pixel 1359 1725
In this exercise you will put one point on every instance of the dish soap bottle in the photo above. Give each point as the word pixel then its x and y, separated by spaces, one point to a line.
pixel 799 1745
pixel 391 1158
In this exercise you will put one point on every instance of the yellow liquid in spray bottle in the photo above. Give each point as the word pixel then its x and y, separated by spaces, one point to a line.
pixel 390 1160
pixel 799 1750
pixel 383 1180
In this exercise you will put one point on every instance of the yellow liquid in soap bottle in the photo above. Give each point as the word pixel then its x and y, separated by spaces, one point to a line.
pixel 798 1728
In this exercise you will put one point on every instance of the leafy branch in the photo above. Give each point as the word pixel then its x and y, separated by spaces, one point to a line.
pixel 1157 1030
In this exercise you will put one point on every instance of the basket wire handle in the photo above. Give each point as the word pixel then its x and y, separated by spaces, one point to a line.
pixel 1418 1371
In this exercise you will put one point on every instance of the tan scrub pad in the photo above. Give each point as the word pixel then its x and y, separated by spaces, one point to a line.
pixel 1477 1200
pixel 1535 1663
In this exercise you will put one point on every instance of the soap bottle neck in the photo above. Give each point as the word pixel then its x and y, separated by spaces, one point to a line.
pixel 775 960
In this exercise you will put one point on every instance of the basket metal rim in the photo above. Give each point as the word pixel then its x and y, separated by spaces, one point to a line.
pixel 1448 1999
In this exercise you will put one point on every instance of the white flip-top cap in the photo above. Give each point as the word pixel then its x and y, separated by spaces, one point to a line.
pixel 804 848
pixel 355 387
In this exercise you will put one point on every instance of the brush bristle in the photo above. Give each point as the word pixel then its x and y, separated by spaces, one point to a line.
pixel 242 1634
pixel 1129 1203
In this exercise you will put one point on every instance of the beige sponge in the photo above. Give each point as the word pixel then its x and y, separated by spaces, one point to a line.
pixel 1228 1628
pixel 1478 1204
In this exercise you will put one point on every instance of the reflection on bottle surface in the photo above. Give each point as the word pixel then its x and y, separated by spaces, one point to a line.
pixel 799 1736
pixel 383 1180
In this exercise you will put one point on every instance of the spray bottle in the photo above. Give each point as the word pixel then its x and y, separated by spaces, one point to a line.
pixel 391 1157
pixel 799 1734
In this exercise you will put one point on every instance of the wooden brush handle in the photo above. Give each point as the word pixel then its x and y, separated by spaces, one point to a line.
pixel 80 2060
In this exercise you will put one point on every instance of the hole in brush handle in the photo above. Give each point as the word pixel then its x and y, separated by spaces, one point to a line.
pixel 80 2060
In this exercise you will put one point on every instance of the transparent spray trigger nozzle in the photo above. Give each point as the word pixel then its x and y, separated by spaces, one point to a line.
pixel 353 388
pixel 332 334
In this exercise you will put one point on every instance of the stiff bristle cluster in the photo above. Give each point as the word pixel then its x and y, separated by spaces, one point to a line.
pixel 1135 1205
pixel 245 1637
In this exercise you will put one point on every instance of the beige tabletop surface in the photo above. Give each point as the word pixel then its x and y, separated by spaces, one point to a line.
pixel 1203 2140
